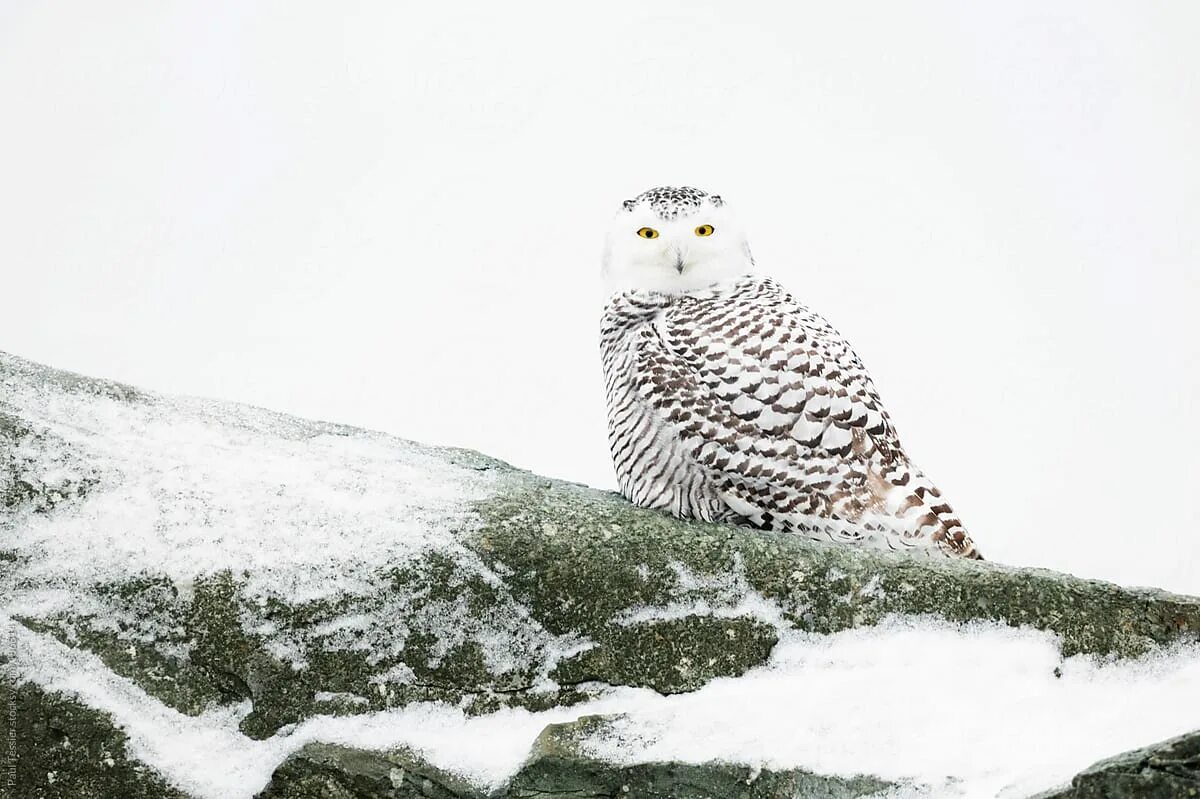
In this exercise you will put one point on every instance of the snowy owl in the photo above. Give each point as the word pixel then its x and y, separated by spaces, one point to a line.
pixel 728 400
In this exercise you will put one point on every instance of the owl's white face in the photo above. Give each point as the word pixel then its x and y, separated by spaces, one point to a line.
pixel 674 241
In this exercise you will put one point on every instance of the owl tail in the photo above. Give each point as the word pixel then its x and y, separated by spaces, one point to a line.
pixel 927 516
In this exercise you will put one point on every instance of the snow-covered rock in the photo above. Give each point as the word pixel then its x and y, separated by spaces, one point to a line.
pixel 200 583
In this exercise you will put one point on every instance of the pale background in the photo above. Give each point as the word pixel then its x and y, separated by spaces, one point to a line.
pixel 390 215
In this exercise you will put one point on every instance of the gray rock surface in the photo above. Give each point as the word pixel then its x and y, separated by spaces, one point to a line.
pixel 560 764
pixel 324 771
pixel 65 750
pixel 530 592
pixel 557 767
pixel 1166 770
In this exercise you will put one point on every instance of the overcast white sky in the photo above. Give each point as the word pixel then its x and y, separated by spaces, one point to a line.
pixel 390 215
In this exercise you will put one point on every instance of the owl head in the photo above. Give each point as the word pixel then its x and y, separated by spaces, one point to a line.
pixel 674 240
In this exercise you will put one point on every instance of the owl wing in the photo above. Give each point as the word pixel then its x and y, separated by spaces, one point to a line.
pixel 775 407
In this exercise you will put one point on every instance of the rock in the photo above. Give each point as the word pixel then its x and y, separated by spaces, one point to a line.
pixel 623 558
pixel 322 771
pixel 61 749
pixel 673 655
pixel 559 765
pixel 220 557
pixel 1166 770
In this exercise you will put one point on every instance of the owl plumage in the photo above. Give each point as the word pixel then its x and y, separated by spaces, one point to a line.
pixel 728 400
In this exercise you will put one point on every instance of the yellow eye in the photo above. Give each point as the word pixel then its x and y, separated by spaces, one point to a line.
pixel 705 230
pixel 648 233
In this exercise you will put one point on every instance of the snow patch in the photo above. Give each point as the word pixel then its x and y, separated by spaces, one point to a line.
pixel 969 711
pixel 297 512
pixel 728 595
pixel 948 711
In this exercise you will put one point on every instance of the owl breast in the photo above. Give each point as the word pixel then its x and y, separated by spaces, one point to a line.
pixel 654 469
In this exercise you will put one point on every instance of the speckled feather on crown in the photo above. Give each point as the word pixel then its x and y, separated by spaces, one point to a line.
pixel 669 202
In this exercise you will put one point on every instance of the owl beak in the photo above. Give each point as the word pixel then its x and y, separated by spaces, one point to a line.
pixel 679 260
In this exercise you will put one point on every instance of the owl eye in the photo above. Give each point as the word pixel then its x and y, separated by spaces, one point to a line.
pixel 705 230
pixel 648 233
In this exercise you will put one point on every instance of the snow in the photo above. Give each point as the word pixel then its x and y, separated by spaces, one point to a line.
pixel 973 711
pixel 303 511
pixel 946 710
pixel 297 511
pixel 183 748
pixel 723 596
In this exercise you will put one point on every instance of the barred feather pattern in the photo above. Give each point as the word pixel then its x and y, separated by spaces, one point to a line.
pixel 737 403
